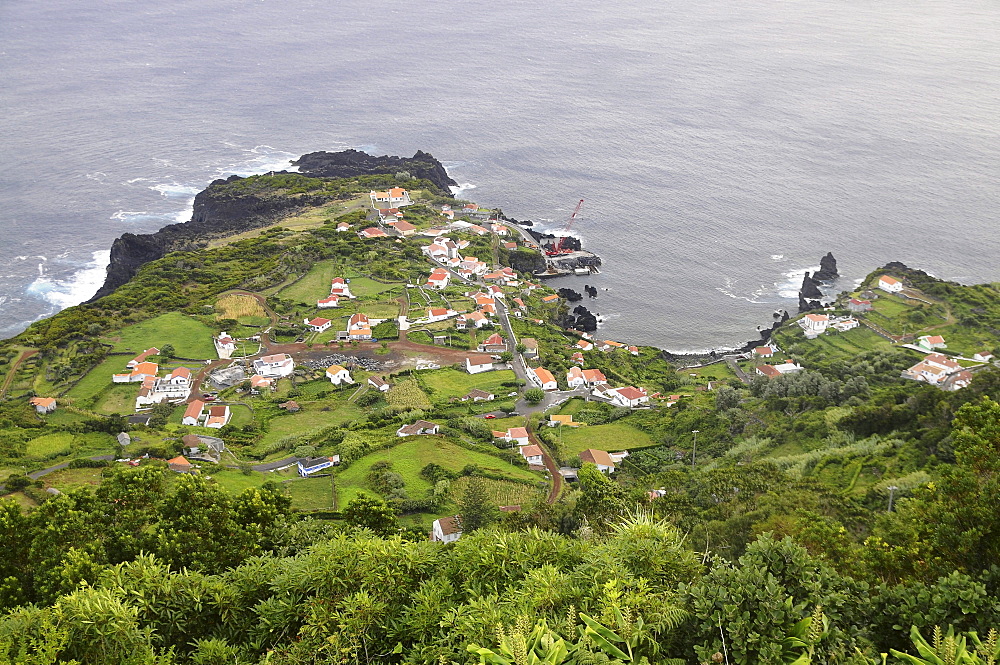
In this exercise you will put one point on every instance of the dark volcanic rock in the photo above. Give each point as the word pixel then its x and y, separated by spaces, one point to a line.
pixel 827 269
pixel 810 288
pixel 569 295
pixel 350 163
pixel 527 261
pixel 585 320
pixel 591 290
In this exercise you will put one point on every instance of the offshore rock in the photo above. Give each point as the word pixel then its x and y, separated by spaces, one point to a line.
pixel 810 288
pixel 827 269
pixel 569 295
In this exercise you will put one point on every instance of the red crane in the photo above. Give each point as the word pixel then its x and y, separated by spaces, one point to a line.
pixel 557 246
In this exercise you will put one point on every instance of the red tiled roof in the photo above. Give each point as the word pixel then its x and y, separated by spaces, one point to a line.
pixel 597 457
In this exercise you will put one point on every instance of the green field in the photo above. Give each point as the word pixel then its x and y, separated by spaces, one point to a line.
pixel 310 493
pixel 235 482
pixel 450 382
pixel 832 345
pixel 51 444
pixel 502 492
pixel 719 371
pixel 363 287
pixel 610 437
pixel 191 338
pixel 314 286
pixel 68 479
pixel 98 378
pixel 311 419
pixel 118 398
pixel 412 455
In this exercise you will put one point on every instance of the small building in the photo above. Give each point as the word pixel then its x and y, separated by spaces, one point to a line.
pixel 763 351
pixel 574 378
pixel 958 380
pixel 446 529
pixel 478 363
pixel 931 342
pixel 577 358
pixel 180 464
pixel 584 345
pixel 530 347
pixel 225 345
pixel 517 435
pixel 814 324
pixel 890 284
pixel 218 416
pixel 43 405
pixel 403 228
pixel 476 319
pixel 143 357
pixel 858 305
pixel 788 367
pixel 557 420
pixel 543 378
pixel 439 278
pixel 373 232
pixel 843 325
pixel 983 357
pixel 629 396
pixel 600 458
pixel 439 314
pixel 291 406
pixel 343 226
pixel 378 383
pixel 318 325
pixel 338 375
pixel 394 197
pixel 276 365
pixel 493 344
pixel 192 415
pixel 329 302
pixel 594 377
pixel 477 395
pixel 259 383
pixel 533 455
pixel 418 428
pixel 310 466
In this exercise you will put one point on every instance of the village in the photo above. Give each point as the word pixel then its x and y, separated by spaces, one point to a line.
pixel 471 340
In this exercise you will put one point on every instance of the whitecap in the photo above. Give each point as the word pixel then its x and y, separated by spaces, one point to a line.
pixel 76 288
pixel 175 190
pixel 20 258
pixel 777 257
pixel 260 159
pixel 460 189
pixel 792 282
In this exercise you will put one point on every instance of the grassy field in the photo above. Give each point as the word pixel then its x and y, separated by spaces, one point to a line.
pixel 51 444
pixel 363 287
pixel 315 285
pixel 834 345
pixel 719 371
pixel 191 338
pixel 409 457
pixel 118 398
pixel 69 479
pixel 310 493
pixel 98 378
pixel 235 306
pixel 235 482
pixel 450 382
pixel 502 492
pixel 611 437
pixel 311 419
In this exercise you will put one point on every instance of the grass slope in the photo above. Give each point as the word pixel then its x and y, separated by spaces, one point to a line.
pixel 611 437
pixel 191 338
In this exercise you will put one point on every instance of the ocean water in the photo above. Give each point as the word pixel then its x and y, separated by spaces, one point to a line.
pixel 722 148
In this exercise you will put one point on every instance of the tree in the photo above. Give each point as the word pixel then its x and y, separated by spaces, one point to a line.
pixel 368 512
pixel 168 351
pixel 506 357
pixel 477 508
pixel 534 395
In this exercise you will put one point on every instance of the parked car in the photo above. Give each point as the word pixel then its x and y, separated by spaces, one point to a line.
pixel 489 416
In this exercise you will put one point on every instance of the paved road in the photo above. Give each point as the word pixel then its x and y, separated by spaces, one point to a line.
pixel 35 475
pixel 271 466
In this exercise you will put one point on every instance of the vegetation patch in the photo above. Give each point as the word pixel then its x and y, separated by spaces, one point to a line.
pixel 190 337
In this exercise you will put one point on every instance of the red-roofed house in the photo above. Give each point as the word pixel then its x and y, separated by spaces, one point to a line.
pixel 629 396
pixel 318 324
pixel 493 344
pixel 142 357
pixel 533 455
pixel 439 314
pixel 594 377
pixel 477 319
pixel 395 197
pixel 764 351
pixel 43 405
pixel 890 284
pixel 543 378
pixel 600 458
pixel 373 232
pixel 218 416
pixel 518 435
pixel 476 364
pixel 193 412
pixel 814 324
pixel 768 371
pixel 439 278
pixel 574 378
pixel 931 342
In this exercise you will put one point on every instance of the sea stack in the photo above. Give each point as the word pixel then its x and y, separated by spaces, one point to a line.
pixel 827 269
pixel 809 293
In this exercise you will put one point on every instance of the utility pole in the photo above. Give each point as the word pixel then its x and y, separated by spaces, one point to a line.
pixel 892 491
pixel 694 448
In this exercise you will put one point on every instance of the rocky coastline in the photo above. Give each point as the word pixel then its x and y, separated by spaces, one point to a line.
pixel 219 212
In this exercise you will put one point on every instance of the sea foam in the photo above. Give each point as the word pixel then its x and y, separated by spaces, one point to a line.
pixel 76 288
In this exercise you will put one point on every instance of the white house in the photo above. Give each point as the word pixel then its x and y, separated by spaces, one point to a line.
pixel 318 324
pixel 311 466
pixel 439 278
pixel 277 364
pixel 543 378
pixel 594 377
pixel 983 357
pixel 629 396
pixel 343 226
pixel 890 284
pixel 843 325
pixel 139 373
pixel 788 368
pixel 814 324
pixel 584 345
pixel 258 382
pixel 338 375
pixel 328 302
pixel 600 458
pixel 518 435
pixel 419 427
pixel 378 383
pixel 532 455
pixel 218 416
pixel 530 347
pixel 340 287
pixel 395 197
pixel 493 344
pixel 359 327
pixel 476 319
pixel 477 395
pixel 476 364
pixel 193 413
pixel 763 351
pixel 43 405
pixel 439 314
pixel 574 378
pixel 225 345
pixel 142 357
pixel 446 530
pixel 931 342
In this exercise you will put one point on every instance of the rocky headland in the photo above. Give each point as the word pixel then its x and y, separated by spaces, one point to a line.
pixel 221 210
pixel 810 296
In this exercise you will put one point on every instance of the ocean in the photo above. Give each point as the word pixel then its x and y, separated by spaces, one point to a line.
pixel 722 148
